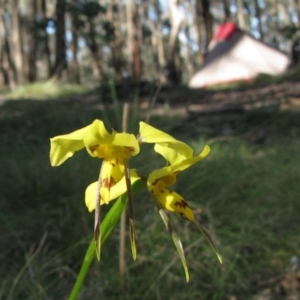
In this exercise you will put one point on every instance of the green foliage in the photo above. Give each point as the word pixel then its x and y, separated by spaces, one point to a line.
pixel 92 8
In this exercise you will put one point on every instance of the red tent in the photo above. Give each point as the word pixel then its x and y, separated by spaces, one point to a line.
pixel 234 56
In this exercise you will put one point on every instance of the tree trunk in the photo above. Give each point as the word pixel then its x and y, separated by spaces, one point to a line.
pixel 133 39
pixel 208 21
pixel 116 44
pixel 16 41
pixel 46 51
pixel 226 10
pixel 96 52
pixel 137 62
pixel 60 44
pixel 173 73
pixel 187 54
pixel 257 9
pixel 157 39
pixel 130 30
pixel 32 41
pixel 6 65
pixel 75 64
pixel 198 26
pixel 240 14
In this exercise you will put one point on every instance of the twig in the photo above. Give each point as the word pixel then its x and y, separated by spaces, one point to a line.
pixel 122 263
pixel 151 105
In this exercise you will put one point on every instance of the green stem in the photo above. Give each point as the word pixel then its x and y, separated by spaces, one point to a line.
pixel 89 257
pixel 106 228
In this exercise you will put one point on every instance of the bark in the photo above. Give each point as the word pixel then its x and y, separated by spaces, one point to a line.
pixel 46 48
pixel 176 23
pixel 137 62
pixel 133 39
pixel 226 10
pixel 258 16
pixel 208 21
pixel 240 14
pixel 32 43
pixel 187 60
pixel 6 65
pixel 16 41
pixel 95 50
pixel 116 44
pixel 130 30
pixel 60 43
pixel 160 49
pixel 198 26
pixel 157 41
pixel 75 31
pixel 157 38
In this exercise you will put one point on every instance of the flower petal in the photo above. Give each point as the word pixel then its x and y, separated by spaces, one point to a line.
pixel 111 173
pixel 63 146
pixel 173 202
pixel 176 168
pixel 149 134
pixel 120 188
pixel 128 141
pixel 90 196
pixel 171 155
pixel 96 135
pixel 116 191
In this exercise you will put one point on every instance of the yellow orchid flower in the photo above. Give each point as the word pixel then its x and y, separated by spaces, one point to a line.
pixel 149 134
pixel 114 148
pixel 162 178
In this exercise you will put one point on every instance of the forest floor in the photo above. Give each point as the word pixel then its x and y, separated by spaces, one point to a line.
pixel 246 193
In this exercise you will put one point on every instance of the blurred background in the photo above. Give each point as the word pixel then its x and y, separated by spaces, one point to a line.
pixel 219 72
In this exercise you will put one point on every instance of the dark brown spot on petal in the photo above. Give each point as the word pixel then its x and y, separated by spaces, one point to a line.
pixel 108 182
pixel 181 204
pixel 162 191
pixel 129 148
pixel 93 148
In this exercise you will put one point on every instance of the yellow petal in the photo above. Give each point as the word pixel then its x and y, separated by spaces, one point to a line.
pixel 176 168
pixel 96 135
pixel 173 202
pixel 116 191
pixel 90 196
pixel 120 188
pixel 63 146
pixel 171 155
pixel 128 141
pixel 111 173
pixel 149 134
